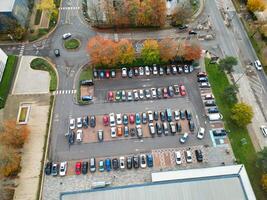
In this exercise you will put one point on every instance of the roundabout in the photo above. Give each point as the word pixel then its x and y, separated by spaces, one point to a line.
pixel 72 44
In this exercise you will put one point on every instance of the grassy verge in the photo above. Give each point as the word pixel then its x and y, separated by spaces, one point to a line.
pixel 72 44
pixel 23 113
pixel 38 16
pixel 244 154
pixel 41 64
pixel 7 79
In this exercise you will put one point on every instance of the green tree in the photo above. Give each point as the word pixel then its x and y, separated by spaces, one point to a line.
pixel 230 92
pixel 262 160
pixel 150 52
pixel 19 32
pixel 126 53
pixel 227 64
pixel 241 114
pixel 264 182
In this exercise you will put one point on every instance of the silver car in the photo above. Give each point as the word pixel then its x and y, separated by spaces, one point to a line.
pixel 141 94
pixel 141 71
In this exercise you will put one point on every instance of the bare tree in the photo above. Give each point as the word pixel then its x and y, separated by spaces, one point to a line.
pixel 95 11
pixel 181 14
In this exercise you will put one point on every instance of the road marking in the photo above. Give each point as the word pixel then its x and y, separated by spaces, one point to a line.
pixel 21 50
pixel 69 8
pixel 65 92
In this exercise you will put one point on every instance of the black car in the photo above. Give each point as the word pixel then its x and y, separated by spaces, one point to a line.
pixel 54 170
pixel 191 125
pixel 85 122
pixel 95 73
pixel 87 82
pixel 156 115
pixel 159 128
pixel 213 110
pixel 132 132
pixel 113 73
pixel 182 114
pixel 180 69
pixel 199 155
pixel 182 26
pixel 219 132
pixel 84 167
pixel 136 161
pixel 129 162
pixel 162 116
pixel 188 115
pixel 210 103
pixel 170 91
pixel 115 163
pixel 48 168
pixel 136 71
pixel 57 52
pixel 130 73
pixel 92 121
pixel 71 137
pixel 191 32
pixel 178 127
pixel 168 70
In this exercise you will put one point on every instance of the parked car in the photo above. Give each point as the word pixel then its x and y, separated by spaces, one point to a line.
pixel 139 131
pixel 188 115
pixel 264 130
pixel 199 155
pixel 149 160
pixel 125 119
pixel 144 118
pixel 113 132
pixel 71 137
pixel 172 128
pixel 204 85
pixel 107 74
pixel 165 128
pixel 101 166
pixel 108 164
pixel 87 82
pixel 118 95
pixel 152 129
pixel 141 94
pixel 129 162
pixel 173 69
pixel 178 127
pixel 105 120
pixel 208 97
pixel 178 157
pixel 100 135
pixel 79 136
pixel 95 73
pixel 136 72
pixel 48 168
pixel 132 132
pixel 72 124
pixel 184 138
pixel 176 115
pixel 161 71
pixel 129 96
pixel 113 73
pixel 85 121
pixel 153 93
pixel 101 74
pixel 182 90
pixel 141 71
pixel 176 89
pixel 119 131
pixel 180 69
pixel 112 121
pixel 192 32
pixel 115 163
pixel 92 121
pixel 155 69
pixel 258 65
pixel 202 79
pixel 159 129
pixel 118 118
pixel 188 156
pixel 159 93
pixel 162 116
pixel 147 71
pixel 124 72
pixel 220 132
pixel 202 74
pixel 92 165
pixel 213 110
pixel 84 167
pixel 168 70
pixel 200 133
pixel 170 91
pixel 150 116
pixel 122 162
pixel 186 69
pixel 123 95
pixel 147 93
pixel 182 114
pixel 130 73
pixel 131 118
pixel 156 115
pixel 110 96
pixel 135 94
pixel 78 167
pixel 54 170
pixel 191 125
pixel 126 131
pixel 210 103
pixel 143 161
pixel 137 119
pixel 136 161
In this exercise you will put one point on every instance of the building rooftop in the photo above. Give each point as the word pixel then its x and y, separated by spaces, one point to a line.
pixel 220 183
pixel 6 5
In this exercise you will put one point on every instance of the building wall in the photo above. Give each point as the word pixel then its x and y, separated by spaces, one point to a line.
pixel 20 11
pixel 3 60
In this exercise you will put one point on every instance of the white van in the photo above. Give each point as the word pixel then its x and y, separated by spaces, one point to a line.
pixel 215 117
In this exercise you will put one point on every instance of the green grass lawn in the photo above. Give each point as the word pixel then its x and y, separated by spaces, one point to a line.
pixel 244 154
pixel 23 114
pixel 7 79
pixel 72 43
pixel 86 74
pixel 41 64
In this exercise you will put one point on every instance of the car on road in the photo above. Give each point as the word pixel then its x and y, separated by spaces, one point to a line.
pixel 202 74
pixel 129 162
pixel 204 85
pixel 178 127
pixel 108 164
pixel 188 156
pixel 129 96
pixel 136 161
pixel 100 135
pixel 184 138
pixel 78 167
pixel 124 72
pixel 200 133
pixel 119 131
pixel 66 36
pixel 84 167
pixel 113 133
pixel 202 79
pixel 178 157
pixel 258 65
pixel 101 166
pixel 182 90
pixel 153 93
pixel 137 119
pixel 199 155
pixel 141 71
pixel 122 162
pixel 54 170
pixel 264 130
pixel 48 168
pixel 92 165
pixel 115 163
pixel 131 118
pixel 144 118
pixel 152 129
pixel 139 131
pixel 79 135
pixel 110 96
pixel 149 160
pixel 213 110
pixel 135 94
pixel 143 161
pixel 118 118
pixel 57 52
pixel 92 121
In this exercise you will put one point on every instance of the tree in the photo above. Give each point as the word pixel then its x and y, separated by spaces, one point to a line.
pixel 262 160
pixel 95 12
pixel 159 12
pixel 9 161
pixel 19 32
pixel 14 135
pixel 150 52
pixel 47 5
pixel 227 64
pixel 264 182
pixel 167 49
pixel 144 15
pixel 241 114
pixel 181 14
pixel 192 51
pixel 230 92
pixel 256 5
pixel 126 52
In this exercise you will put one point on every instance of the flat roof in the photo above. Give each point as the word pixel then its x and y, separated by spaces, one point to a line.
pixel 229 182
pixel 6 5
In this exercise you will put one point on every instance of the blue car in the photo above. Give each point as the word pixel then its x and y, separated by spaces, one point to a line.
pixel 125 119
pixel 137 119
pixel 101 74
pixel 149 159
pixel 108 164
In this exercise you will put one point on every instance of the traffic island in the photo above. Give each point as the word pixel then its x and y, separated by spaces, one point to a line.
pixel 23 115
pixel 72 44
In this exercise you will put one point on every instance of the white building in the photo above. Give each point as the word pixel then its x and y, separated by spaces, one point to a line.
pixel 3 60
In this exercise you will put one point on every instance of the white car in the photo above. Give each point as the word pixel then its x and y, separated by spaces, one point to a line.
pixel 72 124
pixel 177 115
pixel 141 71
pixel 79 137
pixel 186 69
pixel 153 93
pixel 143 161
pixel 155 69
pixel 79 122
pixel 147 71
pixel 200 133
pixel 112 122
pixel 258 65
pixel 63 168
pixel 150 116
pixel 184 138
pixel 119 119
pixel 124 72
pixel 178 158
pixel 141 94
pixel 66 36
pixel 264 130
pixel 129 96
pixel 113 133
pixel 135 94
pixel 122 162
pixel 188 156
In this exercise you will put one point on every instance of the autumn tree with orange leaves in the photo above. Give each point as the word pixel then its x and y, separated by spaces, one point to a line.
pixel 192 51
pixel 256 5
pixel 167 49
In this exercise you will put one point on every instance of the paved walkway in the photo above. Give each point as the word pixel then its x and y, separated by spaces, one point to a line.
pixel 29 81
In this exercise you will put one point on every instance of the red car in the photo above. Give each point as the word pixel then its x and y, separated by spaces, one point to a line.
pixel 110 96
pixel 78 167
pixel 131 118
pixel 165 92
pixel 182 90
pixel 105 120
pixel 107 74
